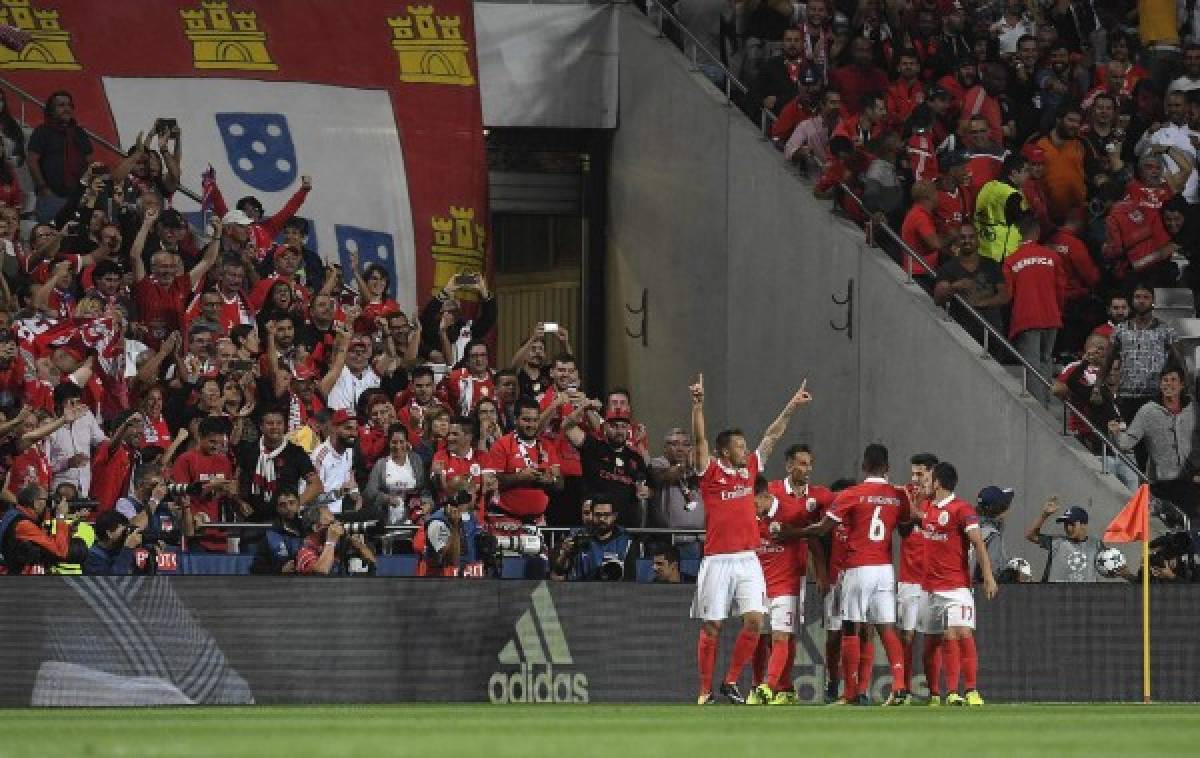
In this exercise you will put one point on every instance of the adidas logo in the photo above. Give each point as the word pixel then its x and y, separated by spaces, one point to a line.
pixel 537 646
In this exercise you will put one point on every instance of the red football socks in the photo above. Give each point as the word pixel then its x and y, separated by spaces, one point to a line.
pixel 743 651
pixel 895 655
pixel 850 659
pixel 706 661
pixel 866 665
pixel 779 673
pixel 950 662
pixel 785 683
pixel 931 656
pixel 762 656
pixel 970 661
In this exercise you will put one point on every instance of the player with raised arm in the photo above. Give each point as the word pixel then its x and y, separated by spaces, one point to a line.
pixel 951 529
pixel 730 574
pixel 784 508
pixel 912 571
pixel 870 513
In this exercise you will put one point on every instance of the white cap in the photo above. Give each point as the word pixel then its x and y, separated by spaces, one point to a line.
pixel 237 218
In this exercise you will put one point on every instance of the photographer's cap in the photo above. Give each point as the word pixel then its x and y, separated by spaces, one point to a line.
pixel 1073 515
pixel 995 497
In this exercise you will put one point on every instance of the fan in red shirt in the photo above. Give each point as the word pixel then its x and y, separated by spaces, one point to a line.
pixel 113 461
pixel 919 231
pixel 871 512
pixel 784 507
pixel 912 569
pixel 161 297
pixel 209 472
pixel 951 529
pixel 1082 275
pixel 907 92
pixel 861 77
pixel 525 467
pixel 465 386
pixel 952 201
pixel 1037 282
pixel 730 574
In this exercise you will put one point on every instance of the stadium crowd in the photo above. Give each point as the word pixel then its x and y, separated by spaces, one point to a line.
pixel 157 378
pixel 1038 159
pixel 160 374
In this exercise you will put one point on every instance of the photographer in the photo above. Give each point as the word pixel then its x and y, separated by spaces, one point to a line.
pixel 327 548
pixel 277 553
pixel 107 556
pixel 607 553
pixel 992 506
pixel 25 548
pixel 451 536
pixel 150 509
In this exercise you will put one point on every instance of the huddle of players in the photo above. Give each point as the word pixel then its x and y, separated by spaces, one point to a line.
pixel 757 538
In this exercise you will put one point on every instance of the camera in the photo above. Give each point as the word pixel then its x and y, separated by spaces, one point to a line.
pixel 82 504
pixel 523 540
pixel 612 569
pixel 165 125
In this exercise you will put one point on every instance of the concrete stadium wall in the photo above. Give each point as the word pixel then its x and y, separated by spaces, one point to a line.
pixel 741 264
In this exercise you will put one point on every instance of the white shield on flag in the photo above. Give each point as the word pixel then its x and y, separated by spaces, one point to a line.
pixel 261 137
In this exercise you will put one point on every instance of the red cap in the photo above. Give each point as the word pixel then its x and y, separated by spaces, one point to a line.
pixel 1033 153
pixel 305 371
pixel 342 416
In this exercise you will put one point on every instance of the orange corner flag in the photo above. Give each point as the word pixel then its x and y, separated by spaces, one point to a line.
pixel 1132 524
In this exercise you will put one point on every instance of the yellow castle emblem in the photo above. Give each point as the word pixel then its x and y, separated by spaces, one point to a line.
pixel 458 245
pixel 430 48
pixel 226 39
pixel 49 45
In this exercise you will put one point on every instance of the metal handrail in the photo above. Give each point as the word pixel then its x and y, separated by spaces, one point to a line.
pixel 730 79
pixel 990 331
pixel 26 97
pixel 400 528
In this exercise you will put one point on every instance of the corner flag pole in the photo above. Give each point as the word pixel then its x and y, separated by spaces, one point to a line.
pixel 1146 608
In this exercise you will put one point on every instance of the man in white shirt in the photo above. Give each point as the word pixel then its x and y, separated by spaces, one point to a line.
pixel 334 460
pixel 356 376
pixel 1175 133
pixel 69 448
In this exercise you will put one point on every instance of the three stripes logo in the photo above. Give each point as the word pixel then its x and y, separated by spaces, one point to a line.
pixel 537 646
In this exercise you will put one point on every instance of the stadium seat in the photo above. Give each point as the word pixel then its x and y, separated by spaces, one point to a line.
pixel 396 565
pixel 222 565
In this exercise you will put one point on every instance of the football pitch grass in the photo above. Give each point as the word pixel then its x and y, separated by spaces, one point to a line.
pixel 619 731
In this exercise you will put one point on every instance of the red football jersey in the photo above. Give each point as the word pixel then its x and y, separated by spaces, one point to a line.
pixel 912 551
pixel 161 308
pixel 195 466
pixel 945 526
pixel 870 512
pixel 730 518
pixel 511 454
pixel 786 564
pixel 951 210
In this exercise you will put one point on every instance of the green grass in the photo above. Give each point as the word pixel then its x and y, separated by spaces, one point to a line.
pixel 614 731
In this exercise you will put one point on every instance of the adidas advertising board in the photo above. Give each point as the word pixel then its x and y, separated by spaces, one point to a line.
pixel 527 662
pixel 398 640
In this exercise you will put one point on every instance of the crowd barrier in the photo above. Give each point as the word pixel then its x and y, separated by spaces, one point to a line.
pixel 167 640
